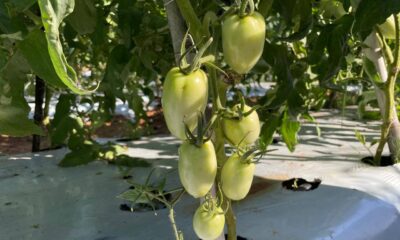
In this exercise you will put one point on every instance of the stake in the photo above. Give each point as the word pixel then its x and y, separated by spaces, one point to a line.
pixel 38 115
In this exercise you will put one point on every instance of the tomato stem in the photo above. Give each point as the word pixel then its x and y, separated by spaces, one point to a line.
pixel 243 8
pixel 178 234
pixel 390 112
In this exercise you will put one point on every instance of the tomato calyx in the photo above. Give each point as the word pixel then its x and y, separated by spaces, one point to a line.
pixel 212 205
pixel 203 130
pixel 250 154
pixel 243 7
pixel 186 67
pixel 237 112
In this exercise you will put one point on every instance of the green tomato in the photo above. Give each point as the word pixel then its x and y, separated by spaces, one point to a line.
pixel 244 131
pixel 208 225
pixel 243 41
pixel 388 28
pixel 236 177
pixel 197 167
pixel 184 97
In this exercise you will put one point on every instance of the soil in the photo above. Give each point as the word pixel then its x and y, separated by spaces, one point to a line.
pixel 116 128
pixel 15 145
pixel 385 161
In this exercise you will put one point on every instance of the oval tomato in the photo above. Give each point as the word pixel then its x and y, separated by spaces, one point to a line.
pixel 236 177
pixel 197 167
pixel 244 131
pixel 184 97
pixel 208 225
pixel 243 41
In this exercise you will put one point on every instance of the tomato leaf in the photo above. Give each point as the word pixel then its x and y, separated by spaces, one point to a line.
pixel 22 127
pixel 299 14
pixel 84 17
pixel 14 111
pixel 371 12
pixel 268 129
pixel 84 155
pixel 289 130
pixel 32 48
pixel 53 13
pixel 128 161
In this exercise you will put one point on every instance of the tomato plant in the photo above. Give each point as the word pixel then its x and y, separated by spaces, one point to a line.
pixel 98 52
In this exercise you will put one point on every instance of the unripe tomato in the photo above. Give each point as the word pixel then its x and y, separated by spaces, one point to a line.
pixel 208 225
pixel 388 29
pixel 243 41
pixel 244 131
pixel 197 167
pixel 236 177
pixel 184 97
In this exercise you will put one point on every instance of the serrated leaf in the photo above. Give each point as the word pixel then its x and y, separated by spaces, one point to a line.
pixel 268 129
pixel 289 130
pixel 135 196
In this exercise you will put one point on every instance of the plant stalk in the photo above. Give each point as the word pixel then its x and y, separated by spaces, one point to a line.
pixel 390 131
pixel 171 216
pixel 218 90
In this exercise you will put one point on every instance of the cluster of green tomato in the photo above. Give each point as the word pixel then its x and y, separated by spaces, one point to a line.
pixel 185 95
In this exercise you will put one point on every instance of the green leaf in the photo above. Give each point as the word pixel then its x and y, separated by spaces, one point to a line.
pixel 10 21
pixel 360 137
pixel 114 80
pixel 268 129
pixel 84 17
pixel 372 12
pixel 333 40
pixel 14 109
pixel 128 161
pixel 53 13
pixel 61 131
pixel 136 196
pixel 84 155
pixel 298 13
pixel 33 47
pixel 289 130
pixel 14 122
pixel 20 5
pixel 63 108
pixel 264 7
